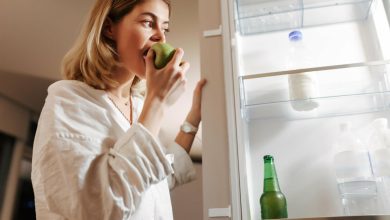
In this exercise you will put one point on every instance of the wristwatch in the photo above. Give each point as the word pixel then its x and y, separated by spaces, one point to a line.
pixel 188 128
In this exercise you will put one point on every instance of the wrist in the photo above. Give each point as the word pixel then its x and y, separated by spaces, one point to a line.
pixel 193 118
pixel 152 115
pixel 188 128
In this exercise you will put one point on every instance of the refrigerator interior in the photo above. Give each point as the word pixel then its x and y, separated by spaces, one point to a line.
pixel 348 40
pixel 303 152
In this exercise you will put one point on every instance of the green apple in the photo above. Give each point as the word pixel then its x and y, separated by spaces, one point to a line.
pixel 163 54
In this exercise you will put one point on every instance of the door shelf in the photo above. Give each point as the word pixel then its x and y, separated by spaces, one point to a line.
pixel 342 90
pixel 259 16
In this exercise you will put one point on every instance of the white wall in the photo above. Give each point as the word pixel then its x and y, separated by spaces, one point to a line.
pixel 184 33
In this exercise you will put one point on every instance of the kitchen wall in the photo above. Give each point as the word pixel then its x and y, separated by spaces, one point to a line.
pixel 14 122
pixel 14 119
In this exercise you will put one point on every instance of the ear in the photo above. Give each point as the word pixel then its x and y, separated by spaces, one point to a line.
pixel 108 29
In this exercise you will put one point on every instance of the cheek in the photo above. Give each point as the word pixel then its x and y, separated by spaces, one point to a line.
pixel 130 46
pixel 127 52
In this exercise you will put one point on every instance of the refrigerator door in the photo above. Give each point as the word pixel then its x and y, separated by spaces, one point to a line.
pixel 216 162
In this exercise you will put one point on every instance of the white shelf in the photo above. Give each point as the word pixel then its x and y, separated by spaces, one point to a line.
pixel 343 90
pixel 259 16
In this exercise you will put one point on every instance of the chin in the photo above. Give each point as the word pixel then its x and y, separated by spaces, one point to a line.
pixel 141 74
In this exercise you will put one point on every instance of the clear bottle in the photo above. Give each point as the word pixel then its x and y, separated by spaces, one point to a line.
pixel 355 178
pixel 303 87
pixel 379 146
pixel 273 202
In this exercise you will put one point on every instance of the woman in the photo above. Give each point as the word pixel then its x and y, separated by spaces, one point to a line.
pixel 96 153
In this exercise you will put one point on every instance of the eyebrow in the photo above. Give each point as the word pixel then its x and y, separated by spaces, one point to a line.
pixel 152 15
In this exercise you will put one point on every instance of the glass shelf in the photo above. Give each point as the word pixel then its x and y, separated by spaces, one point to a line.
pixel 342 90
pixel 259 16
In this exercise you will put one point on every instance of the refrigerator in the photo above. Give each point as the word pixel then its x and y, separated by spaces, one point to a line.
pixel 248 110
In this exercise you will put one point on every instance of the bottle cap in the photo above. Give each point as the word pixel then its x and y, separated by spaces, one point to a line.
pixel 268 158
pixel 295 35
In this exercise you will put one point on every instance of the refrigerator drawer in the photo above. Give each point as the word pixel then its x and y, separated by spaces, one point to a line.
pixel 256 16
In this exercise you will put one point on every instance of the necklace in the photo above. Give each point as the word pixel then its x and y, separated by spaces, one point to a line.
pixel 126 103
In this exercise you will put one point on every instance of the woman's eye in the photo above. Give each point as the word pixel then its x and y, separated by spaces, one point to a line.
pixel 148 23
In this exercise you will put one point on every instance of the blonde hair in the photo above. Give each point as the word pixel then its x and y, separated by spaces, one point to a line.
pixel 93 57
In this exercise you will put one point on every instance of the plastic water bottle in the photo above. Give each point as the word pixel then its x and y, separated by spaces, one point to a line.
pixel 379 145
pixel 355 179
pixel 302 86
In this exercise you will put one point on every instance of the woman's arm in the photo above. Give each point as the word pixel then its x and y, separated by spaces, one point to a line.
pixel 185 140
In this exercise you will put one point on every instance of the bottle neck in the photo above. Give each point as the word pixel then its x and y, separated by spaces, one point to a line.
pixel 270 179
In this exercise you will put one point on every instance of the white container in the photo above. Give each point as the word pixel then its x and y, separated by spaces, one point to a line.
pixel 379 145
pixel 355 179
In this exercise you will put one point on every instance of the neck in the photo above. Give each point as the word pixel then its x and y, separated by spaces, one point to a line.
pixel 125 80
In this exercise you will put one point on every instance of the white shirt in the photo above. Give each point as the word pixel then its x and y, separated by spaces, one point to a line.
pixel 89 163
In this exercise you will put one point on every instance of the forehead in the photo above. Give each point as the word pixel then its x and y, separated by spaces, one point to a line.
pixel 157 8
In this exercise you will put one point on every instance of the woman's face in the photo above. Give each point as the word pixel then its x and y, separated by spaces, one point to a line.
pixel 135 33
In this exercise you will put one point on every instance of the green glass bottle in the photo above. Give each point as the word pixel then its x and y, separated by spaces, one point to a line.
pixel 273 203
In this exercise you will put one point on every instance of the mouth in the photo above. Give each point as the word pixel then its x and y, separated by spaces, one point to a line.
pixel 145 52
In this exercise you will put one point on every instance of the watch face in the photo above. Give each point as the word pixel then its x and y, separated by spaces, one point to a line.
pixel 186 128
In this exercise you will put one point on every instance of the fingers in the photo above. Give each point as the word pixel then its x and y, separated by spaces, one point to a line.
pixel 181 71
pixel 196 112
pixel 185 66
pixel 179 83
pixel 177 57
pixel 176 88
pixel 170 81
pixel 176 91
pixel 201 84
pixel 197 98
pixel 177 79
pixel 149 59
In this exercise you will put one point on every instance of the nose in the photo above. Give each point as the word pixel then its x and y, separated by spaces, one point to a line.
pixel 159 35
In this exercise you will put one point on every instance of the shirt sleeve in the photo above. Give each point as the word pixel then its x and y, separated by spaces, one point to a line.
pixel 183 166
pixel 80 183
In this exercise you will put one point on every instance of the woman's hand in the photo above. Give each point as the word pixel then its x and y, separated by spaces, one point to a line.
pixel 163 88
pixel 194 116
pixel 168 83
